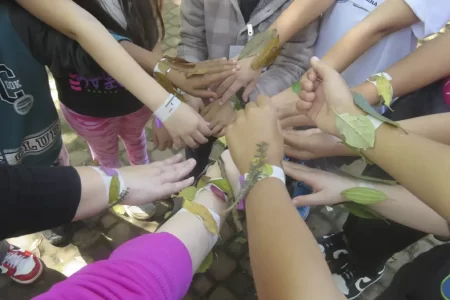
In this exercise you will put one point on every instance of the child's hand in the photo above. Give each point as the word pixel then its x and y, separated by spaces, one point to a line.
pixel 217 71
pixel 327 186
pixel 161 137
pixel 219 117
pixel 187 127
pixel 194 102
pixel 288 103
pixel 245 77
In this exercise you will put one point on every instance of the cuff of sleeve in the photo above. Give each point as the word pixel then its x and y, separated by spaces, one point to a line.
pixel 120 38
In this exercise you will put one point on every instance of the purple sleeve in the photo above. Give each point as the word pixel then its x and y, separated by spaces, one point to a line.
pixel 153 266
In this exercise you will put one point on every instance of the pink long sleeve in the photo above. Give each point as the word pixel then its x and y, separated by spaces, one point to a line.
pixel 154 266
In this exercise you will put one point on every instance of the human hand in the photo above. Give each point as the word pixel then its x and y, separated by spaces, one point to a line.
pixel 311 144
pixel 160 136
pixel 288 104
pixel 194 102
pixel 186 127
pixel 219 117
pixel 329 94
pixel 245 77
pixel 256 124
pixel 327 187
pixel 156 181
pixel 196 85
pixel 296 121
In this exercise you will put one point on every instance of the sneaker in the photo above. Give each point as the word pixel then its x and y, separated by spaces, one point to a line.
pixel 58 236
pixel 22 266
pixel 141 213
pixel 352 284
pixel 333 246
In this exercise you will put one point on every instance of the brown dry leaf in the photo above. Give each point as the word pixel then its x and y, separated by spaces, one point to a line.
pixel 268 54
pixel 258 43
pixel 164 82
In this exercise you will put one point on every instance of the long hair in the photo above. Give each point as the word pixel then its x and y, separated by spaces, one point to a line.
pixel 142 18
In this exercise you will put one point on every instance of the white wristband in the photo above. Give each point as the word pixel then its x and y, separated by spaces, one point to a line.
pixel 365 183
pixel 375 122
pixel 213 237
pixel 168 108
pixel 277 172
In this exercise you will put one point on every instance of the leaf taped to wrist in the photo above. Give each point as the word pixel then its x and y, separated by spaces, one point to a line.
pixel 265 46
pixel 159 73
pixel 360 198
pixel 382 82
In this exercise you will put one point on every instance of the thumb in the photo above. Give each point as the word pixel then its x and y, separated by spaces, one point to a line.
pixel 311 199
pixel 321 68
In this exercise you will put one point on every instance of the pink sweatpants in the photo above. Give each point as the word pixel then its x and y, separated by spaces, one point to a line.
pixel 102 135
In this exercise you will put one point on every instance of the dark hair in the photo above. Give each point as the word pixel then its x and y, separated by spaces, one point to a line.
pixel 142 18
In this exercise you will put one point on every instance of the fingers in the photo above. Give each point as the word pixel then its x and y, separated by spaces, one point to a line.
pixel 217 128
pixel 221 133
pixel 200 138
pixel 296 121
pixel 170 188
pixel 189 141
pixel 175 172
pixel 306 97
pixel 204 128
pixel 311 199
pixel 233 89
pixel 298 172
pixel 303 106
pixel 298 154
pixel 223 87
pixel 248 90
pixel 322 69
pixel 206 80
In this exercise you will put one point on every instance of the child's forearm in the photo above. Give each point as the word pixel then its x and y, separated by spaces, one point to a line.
pixel 145 58
pixel 75 22
pixel 387 18
pixel 422 67
pixel 302 12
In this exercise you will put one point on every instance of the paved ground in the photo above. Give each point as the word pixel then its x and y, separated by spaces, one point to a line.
pixel 230 276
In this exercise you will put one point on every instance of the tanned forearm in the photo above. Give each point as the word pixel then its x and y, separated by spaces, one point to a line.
pixel 286 261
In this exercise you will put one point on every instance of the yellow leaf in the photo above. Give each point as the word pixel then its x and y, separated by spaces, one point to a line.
pixel 267 170
pixel 384 89
pixel 258 43
pixel 164 82
pixel 268 54
pixel 114 189
pixel 204 214
pixel 206 264
pixel 188 193
pixel 358 131
pixel 119 209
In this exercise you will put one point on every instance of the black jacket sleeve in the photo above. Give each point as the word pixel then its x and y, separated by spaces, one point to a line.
pixel 58 52
pixel 35 199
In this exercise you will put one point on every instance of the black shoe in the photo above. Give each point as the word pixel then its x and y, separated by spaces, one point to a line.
pixel 351 283
pixel 334 248
pixel 58 236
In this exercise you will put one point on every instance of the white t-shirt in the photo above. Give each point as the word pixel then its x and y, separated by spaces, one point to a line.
pixel 345 14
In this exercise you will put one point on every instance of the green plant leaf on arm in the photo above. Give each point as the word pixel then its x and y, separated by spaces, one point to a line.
pixel 366 107
pixel 203 181
pixel 358 131
pixel 296 88
pixel 364 195
pixel 222 184
pixel 188 193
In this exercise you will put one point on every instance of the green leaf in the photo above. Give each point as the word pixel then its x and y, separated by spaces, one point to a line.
pixel 114 189
pixel 203 181
pixel 188 193
pixel 257 44
pixel 206 264
pixel 222 184
pixel 365 106
pixel 296 88
pixel 364 195
pixel 267 170
pixel 360 211
pixel 358 131
pixel 223 140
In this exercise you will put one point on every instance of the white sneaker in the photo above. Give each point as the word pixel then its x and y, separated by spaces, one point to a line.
pixel 141 213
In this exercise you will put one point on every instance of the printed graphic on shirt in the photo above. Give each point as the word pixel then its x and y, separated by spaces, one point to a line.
pixel 34 144
pixel 104 84
pixel 12 93
pixel 445 288
pixel 367 5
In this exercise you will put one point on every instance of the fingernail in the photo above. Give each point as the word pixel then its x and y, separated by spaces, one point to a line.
pixel 211 99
